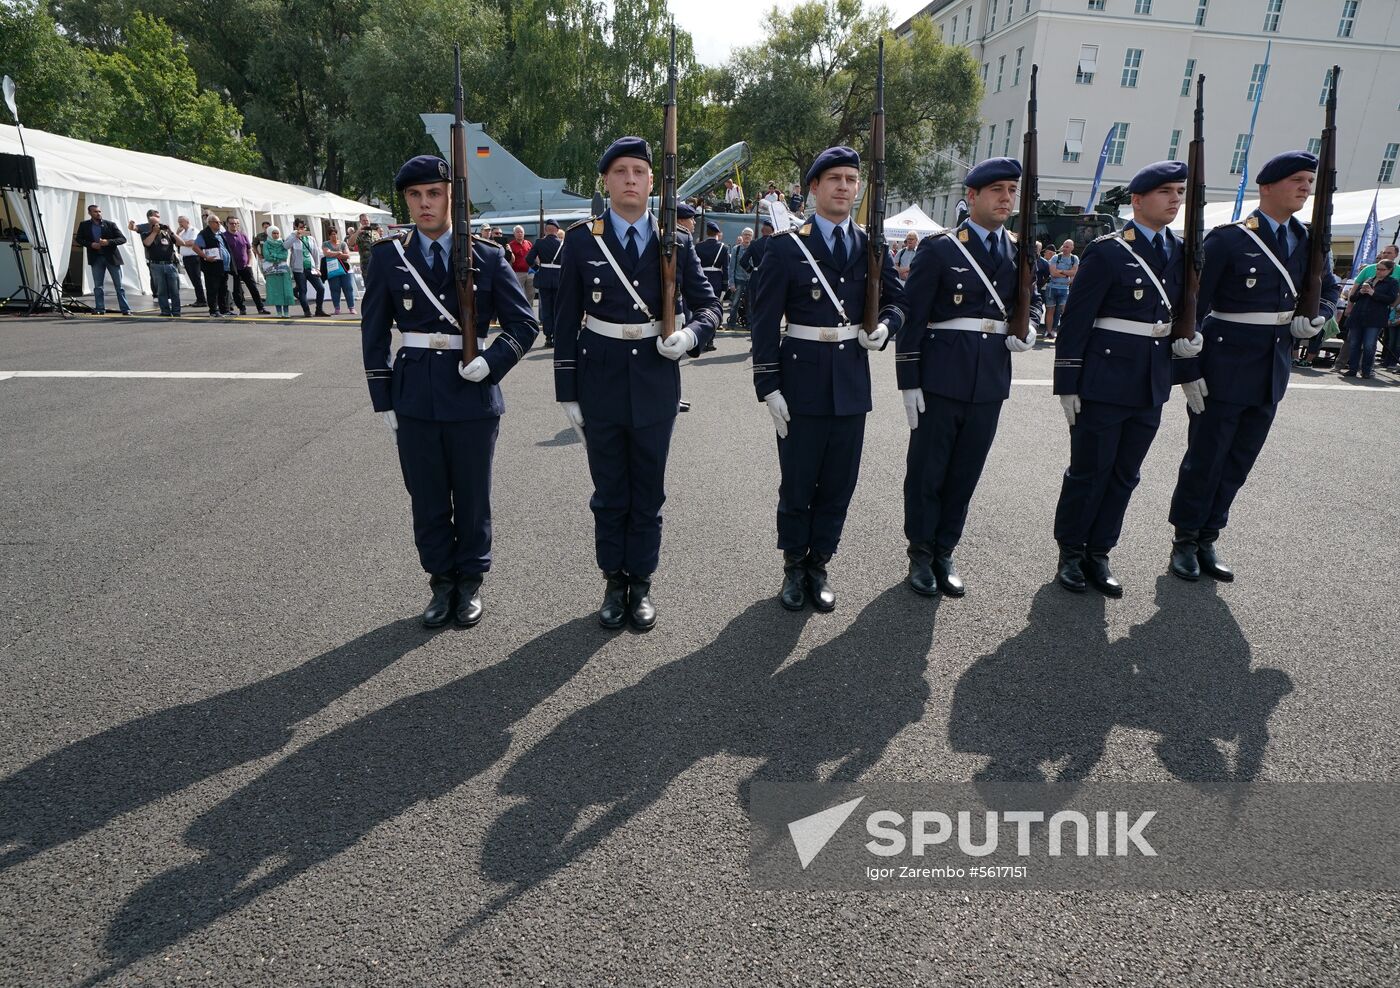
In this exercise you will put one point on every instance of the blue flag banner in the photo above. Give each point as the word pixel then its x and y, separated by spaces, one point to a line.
pixel 1369 241
pixel 1098 172
pixel 1249 141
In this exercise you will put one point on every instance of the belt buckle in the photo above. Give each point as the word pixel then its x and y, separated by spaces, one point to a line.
pixel 1160 329
pixel 437 341
pixel 989 325
pixel 632 332
pixel 1284 318
pixel 829 334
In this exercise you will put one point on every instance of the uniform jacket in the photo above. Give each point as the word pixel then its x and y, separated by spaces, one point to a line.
pixel 956 364
pixel 1108 366
pixel 1248 364
pixel 110 233
pixel 424 383
pixel 714 254
pixel 624 382
pixel 545 252
pixel 816 378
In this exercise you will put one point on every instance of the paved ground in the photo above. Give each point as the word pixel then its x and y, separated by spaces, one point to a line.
pixel 232 758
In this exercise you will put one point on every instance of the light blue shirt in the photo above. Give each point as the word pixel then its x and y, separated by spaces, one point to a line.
pixel 642 226
pixel 828 231
pixel 425 244
pixel 1149 233
pixel 982 234
pixel 1293 238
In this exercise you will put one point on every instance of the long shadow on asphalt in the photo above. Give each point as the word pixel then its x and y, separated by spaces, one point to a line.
pixel 1043 705
pixel 88 784
pixel 325 797
pixel 827 717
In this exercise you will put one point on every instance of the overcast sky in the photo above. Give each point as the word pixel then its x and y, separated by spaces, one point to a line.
pixel 719 26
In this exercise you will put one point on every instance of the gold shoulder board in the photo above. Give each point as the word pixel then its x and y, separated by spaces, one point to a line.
pixel 1252 223
pixel 962 235
pixel 1130 234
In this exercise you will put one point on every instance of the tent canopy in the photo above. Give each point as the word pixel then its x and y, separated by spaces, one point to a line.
pixel 898 226
pixel 1349 212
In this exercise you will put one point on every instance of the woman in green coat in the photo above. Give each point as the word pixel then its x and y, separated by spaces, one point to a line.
pixel 278 273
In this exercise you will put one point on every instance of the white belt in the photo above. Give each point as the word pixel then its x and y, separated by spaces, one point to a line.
pixel 972 325
pixel 1255 318
pixel 433 341
pixel 1132 327
pixel 712 269
pixel 548 265
pixel 623 330
pixel 821 334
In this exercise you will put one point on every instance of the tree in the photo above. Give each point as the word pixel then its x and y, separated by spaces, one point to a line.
pixel 809 85
pixel 163 109
pixel 59 87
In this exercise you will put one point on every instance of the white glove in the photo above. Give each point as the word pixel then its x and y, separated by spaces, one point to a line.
pixel 476 371
pixel 777 407
pixel 1195 392
pixel 574 414
pixel 674 347
pixel 1072 407
pixel 391 420
pixel 1188 348
pixel 1304 328
pixel 913 405
pixel 1017 345
pixel 876 339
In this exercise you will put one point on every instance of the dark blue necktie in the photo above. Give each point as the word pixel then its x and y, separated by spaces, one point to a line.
pixel 633 254
pixel 838 251
pixel 436 263
pixel 1160 246
pixel 1284 248
pixel 994 247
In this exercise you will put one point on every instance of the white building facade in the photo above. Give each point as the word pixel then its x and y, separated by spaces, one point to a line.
pixel 1125 70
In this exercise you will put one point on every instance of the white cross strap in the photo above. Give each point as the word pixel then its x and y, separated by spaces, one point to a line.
pixel 981 274
pixel 626 281
pixel 1156 282
pixel 816 269
pixel 1288 278
pixel 398 246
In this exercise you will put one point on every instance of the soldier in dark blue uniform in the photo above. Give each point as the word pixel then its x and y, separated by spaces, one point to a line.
pixel 1113 371
pixel 1250 280
pixel 444 416
pixel 816 380
pixel 714 260
pixel 953 365
pixel 617 379
pixel 544 258
pixel 754 257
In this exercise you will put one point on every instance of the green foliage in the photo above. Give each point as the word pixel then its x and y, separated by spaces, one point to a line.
pixel 59 88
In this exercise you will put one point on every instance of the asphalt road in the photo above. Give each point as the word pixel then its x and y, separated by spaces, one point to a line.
pixel 233 758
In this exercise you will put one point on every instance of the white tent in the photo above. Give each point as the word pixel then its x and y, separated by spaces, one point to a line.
pixel 897 227
pixel 127 183
pixel 1349 212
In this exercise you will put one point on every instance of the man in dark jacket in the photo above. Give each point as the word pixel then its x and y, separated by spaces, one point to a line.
pixel 100 239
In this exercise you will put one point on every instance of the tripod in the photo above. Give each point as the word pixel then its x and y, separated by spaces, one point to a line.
pixel 23 293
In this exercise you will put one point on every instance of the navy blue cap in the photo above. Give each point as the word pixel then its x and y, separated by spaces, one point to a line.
pixel 553 223
pixel 422 170
pixel 624 147
pixel 685 210
pixel 993 170
pixel 711 226
pixel 1157 174
pixel 831 158
pixel 1282 165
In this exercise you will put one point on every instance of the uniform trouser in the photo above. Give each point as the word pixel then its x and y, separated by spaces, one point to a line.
pixel 946 455
pixel 244 276
pixel 216 287
pixel 820 461
pixel 194 267
pixel 628 466
pixel 165 286
pixel 447 470
pixel 1107 445
pixel 1221 446
pixel 547 296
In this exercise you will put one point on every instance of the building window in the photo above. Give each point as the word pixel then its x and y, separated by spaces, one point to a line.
pixel 967 25
pixel 1074 141
pixel 984 75
pixel 1001 70
pixel 1256 83
pixel 1272 13
pixel 1117 144
pixel 1132 60
pixel 1241 152
pixel 1142 7
pixel 991 139
pixel 1016 74
pixel 1088 65
pixel 1006 144
pixel 1388 164
pixel 1188 77
pixel 1201 13
pixel 1010 9
pixel 1326 88
pixel 992 17
pixel 1028 7
pixel 955 29
pixel 1174 145
pixel 1314 146
pixel 1096 4
pixel 1348 18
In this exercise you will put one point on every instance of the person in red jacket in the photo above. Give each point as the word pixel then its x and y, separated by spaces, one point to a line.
pixel 519 249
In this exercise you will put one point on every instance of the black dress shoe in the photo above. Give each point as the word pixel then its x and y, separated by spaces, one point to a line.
pixel 794 593
pixel 439 609
pixel 468 611
pixel 1184 548
pixel 921 569
pixel 1096 571
pixel 613 613
pixel 640 610
pixel 1071 572
pixel 945 572
pixel 1209 561
pixel 682 406
pixel 823 597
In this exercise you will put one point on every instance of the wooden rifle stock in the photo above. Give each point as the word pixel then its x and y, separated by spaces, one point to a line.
pixel 1019 325
pixel 1320 233
pixel 668 199
pixel 1193 230
pixel 875 246
pixel 462 275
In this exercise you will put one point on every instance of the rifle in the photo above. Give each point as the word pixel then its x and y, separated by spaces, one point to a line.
pixel 668 199
pixel 1320 232
pixel 1020 322
pixel 1193 232
pixel 462 219
pixel 876 251
pixel 541 233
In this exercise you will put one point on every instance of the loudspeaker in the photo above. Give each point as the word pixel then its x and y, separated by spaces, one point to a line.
pixel 17 172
